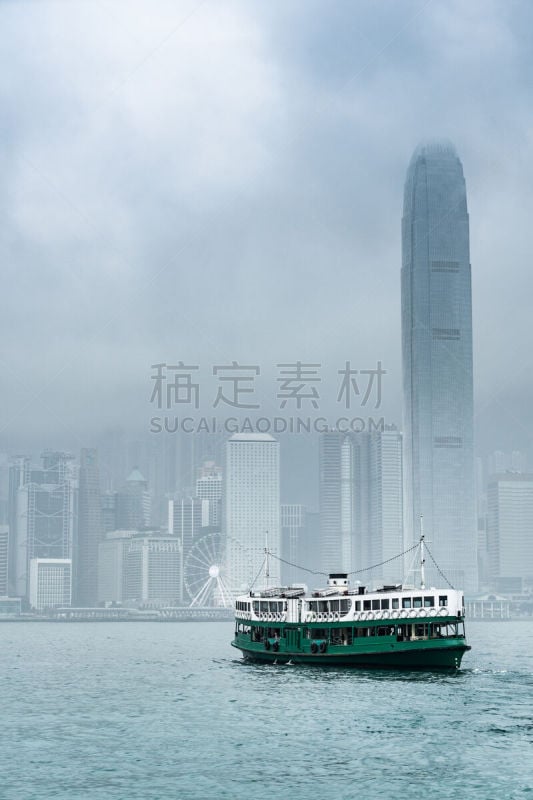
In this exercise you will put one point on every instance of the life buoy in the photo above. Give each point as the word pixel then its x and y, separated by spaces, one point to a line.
pixel 422 612
pixel 443 612
pixel 384 614
pixel 395 614
pixel 336 616
pixel 403 613
pixel 370 615
pixel 323 646
pixel 270 616
pixel 314 647
pixel 267 644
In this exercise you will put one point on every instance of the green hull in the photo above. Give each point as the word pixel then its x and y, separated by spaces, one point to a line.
pixel 379 645
pixel 427 658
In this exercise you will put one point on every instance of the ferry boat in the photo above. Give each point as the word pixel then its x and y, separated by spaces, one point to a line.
pixel 395 626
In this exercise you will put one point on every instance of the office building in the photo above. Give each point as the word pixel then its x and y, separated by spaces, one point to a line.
pixel 437 363
pixel 4 560
pixel 44 513
pixel 361 503
pixel 510 527
pixel 50 583
pixel 251 508
pixel 133 503
pixel 90 531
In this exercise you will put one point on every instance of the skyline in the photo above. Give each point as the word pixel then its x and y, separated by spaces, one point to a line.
pixel 92 220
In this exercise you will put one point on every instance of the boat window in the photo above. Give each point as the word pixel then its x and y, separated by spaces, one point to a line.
pixel 429 602
pixel 367 605
pixel 358 605
pixel 341 636
pixel 395 602
pixel 318 633
pixel 421 631
pixel 443 600
pixel 345 605
pixel 385 603
pixel 384 631
pixel 334 606
pixel 375 605
pixel 323 606
pixel 417 602
pixel 406 602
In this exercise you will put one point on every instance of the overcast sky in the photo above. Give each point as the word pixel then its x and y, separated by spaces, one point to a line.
pixel 217 181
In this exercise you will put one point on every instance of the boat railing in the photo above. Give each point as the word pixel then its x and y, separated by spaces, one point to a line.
pixel 358 616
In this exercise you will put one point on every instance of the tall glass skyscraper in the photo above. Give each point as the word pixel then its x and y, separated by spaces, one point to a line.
pixel 251 509
pixel 437 362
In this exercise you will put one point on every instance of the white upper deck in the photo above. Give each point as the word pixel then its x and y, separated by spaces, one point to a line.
pixel 340 604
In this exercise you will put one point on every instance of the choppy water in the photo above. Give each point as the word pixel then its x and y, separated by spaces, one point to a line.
pixel 152 710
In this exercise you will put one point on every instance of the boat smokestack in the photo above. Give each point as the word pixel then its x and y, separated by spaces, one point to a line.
pixel 339 580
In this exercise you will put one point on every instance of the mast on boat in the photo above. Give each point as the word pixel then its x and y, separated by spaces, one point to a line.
pixel 422 555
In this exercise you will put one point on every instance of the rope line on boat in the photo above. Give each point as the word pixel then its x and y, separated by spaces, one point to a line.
pixel 353 572
pixel 441 573
pixel 259 573
pixel 382 563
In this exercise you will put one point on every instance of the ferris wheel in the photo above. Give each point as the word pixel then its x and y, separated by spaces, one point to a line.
pixel 206 576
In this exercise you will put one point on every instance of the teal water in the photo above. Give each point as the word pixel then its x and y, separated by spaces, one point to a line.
pixel 152 710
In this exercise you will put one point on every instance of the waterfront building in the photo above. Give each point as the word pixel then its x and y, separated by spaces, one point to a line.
pixel 152 571
pixel 437 363
pixel 44 513
pixel 139 569
pixel 50 583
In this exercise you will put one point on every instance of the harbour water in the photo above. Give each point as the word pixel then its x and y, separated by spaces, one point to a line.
pixel 155 710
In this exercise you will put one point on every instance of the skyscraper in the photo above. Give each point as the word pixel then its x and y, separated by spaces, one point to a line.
pixel 510 527
pixel 336 499
pixel 361 503
pixel 44 515
pixel 251 507
pixel 209 487
pixel 133 503
pixel 292 541
pixel 90 531
pixel 437 362
pixel 186 517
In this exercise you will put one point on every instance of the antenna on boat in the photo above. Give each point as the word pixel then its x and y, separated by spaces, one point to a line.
pixel 422 555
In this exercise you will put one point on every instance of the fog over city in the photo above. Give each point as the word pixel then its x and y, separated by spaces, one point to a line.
pixel 266 458
pixel 223 182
